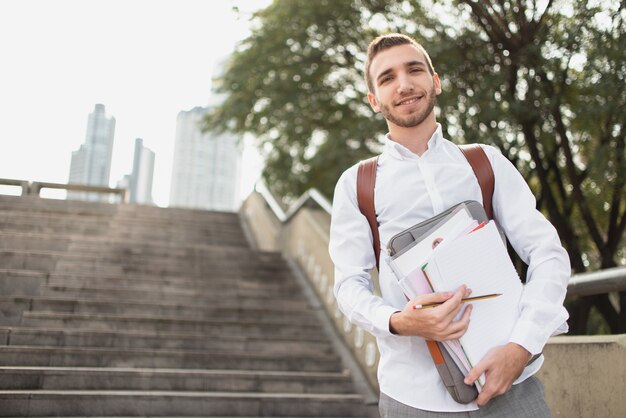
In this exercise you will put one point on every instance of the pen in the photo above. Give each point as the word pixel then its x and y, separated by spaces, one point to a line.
pixel 473 298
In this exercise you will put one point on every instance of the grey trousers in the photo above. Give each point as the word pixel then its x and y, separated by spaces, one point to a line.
pixel 521 401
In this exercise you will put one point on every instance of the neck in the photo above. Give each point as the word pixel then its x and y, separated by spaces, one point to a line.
pixel 414 138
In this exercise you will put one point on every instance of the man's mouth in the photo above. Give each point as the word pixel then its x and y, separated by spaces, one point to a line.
pixel 408 100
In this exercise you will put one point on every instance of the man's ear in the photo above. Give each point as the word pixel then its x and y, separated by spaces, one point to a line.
pixel 437 83
pixel 373 101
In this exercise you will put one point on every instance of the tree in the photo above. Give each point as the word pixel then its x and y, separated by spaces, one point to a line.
pixel 514 75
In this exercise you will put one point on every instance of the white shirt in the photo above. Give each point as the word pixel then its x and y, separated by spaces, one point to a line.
pixel 410 189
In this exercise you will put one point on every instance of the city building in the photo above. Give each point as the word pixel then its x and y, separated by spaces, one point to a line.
pixel 139 182
pixel 142 174
pixel 206 169
pixel 91 163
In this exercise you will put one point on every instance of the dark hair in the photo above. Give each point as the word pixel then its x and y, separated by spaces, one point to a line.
pixel 384 42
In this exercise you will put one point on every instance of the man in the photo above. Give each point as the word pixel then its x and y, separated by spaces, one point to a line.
pixel 420 174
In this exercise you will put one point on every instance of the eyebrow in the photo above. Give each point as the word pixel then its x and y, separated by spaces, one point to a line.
pixel 408 64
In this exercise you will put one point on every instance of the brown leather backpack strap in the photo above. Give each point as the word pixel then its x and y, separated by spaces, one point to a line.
pixel 365 182
pixel 484 173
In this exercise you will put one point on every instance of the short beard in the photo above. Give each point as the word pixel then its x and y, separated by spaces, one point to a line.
pixel 414 119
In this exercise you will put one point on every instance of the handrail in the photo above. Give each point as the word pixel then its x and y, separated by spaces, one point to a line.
pixel 598 282
pixel 34 187
pixel 582 284
pixel 271 201
pixel 311 194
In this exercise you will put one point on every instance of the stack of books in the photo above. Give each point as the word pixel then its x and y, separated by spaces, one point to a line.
pixel 457 249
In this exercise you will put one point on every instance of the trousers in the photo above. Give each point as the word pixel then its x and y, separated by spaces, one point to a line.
pixel 524 400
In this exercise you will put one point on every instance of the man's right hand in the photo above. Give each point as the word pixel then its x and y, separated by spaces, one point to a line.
pixel 437 323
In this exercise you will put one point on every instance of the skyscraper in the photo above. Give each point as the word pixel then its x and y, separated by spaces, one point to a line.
pixel 139 182
pixel 207 167
pixel 91 163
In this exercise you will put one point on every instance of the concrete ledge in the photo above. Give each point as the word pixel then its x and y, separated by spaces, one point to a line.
pixel 584 376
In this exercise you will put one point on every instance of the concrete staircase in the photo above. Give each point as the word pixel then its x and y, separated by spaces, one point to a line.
pixel 123 310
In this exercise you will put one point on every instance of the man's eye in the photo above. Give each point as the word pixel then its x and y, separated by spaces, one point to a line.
pixel 416 70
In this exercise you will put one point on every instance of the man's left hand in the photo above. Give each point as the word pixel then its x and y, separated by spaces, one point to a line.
pixel 502 365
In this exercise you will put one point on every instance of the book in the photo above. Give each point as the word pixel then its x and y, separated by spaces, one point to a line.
pixel 480 261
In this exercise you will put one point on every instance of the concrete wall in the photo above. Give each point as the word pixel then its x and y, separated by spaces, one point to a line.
pixel 573 366
pixel 260 220
pixel 585 376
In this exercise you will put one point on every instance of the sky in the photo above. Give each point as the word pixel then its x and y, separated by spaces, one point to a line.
pixel 145 60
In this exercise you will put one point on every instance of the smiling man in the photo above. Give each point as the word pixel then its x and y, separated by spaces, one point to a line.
pixel 420 174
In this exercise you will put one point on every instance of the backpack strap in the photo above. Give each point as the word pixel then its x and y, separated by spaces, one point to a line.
pixel 484 173
pixel 366 181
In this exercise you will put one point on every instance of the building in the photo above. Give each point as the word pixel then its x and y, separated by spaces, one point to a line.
pixel 206 169
pixel 91 163
pixel 139 182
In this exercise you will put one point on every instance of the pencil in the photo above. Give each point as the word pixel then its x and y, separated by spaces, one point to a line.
pixel 471 299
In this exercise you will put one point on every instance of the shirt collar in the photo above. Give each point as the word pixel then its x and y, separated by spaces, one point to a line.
pixel 401 152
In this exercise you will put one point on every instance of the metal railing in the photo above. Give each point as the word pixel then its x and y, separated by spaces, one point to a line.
pixel 33 188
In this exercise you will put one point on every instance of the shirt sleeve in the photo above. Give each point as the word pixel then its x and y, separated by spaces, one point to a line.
pixel 351 250
pixel 536 241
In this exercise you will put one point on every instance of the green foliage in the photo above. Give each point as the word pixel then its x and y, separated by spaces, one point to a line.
pixel 295 85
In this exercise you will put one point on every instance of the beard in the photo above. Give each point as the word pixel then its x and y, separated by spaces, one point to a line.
pixel 413 119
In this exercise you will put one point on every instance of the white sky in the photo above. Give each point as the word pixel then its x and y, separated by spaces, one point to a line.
pixel 145 60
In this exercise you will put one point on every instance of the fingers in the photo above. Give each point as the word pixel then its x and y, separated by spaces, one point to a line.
pixel 439 297
pixel 436 323
pixel 458 328
pixel 491 390
pixel 485 396
pixel 453 305
pixel 476 371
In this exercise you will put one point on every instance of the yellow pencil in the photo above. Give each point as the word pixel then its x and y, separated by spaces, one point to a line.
pixel 471 299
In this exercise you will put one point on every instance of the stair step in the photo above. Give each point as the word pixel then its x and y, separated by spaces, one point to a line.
pixel 163 293
pixel 16 305
pixel 27 282
pixel 226 260
pixel 14 240
pixel 139 339
pixel 144 358
pixel 69 303
pixel 284 328
pixel 169 403
pixel 218 298
pixel 85 378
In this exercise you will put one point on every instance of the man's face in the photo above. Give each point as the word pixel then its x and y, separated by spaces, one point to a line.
pixel 404 90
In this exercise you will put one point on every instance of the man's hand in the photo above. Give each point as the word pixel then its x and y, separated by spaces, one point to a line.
pixel 502 365
pixel 437 323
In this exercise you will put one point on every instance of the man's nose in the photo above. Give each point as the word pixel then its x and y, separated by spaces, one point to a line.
pixel 404 84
